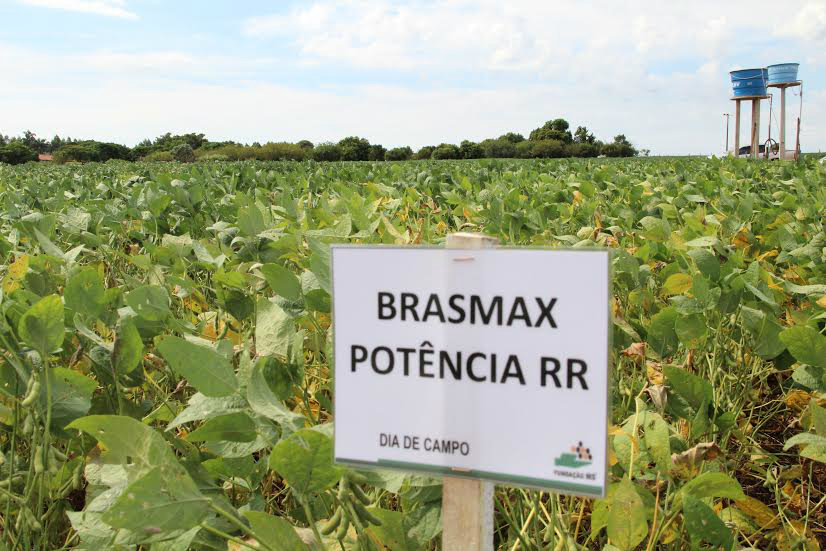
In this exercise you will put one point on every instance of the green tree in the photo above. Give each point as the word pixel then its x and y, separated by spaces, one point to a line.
pixel 282 151
pixel 446 151
pixel 549 149
pixel 167 142
pixel 399 154
pixel 376 153
pixel 424 153
pixel 306 144
pixel 16 152
pixel 183 153
pixel 470 150
pixel 556 129
pixel 583 136
pixel 92 151
pixel 620 147
pixel 498 149
pixel 354 148
pixel 512 137
pixel 524 150
pixel 583 149
pixel 31 141
pixel 327 152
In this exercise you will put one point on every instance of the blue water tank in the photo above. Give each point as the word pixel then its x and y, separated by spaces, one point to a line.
pixel 783 73
pixel 749 82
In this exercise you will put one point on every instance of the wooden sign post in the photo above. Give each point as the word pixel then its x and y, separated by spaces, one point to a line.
pixel 467 505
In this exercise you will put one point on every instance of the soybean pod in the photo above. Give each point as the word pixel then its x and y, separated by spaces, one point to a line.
pixel 360 495
pixel 32 395
pixel 38 459
pixel 365 515
pixel 333 523
pixel 343 528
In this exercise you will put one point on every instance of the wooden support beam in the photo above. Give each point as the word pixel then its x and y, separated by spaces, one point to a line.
pixel 755 128
pixel 467 515
pixel 783 122
pixel 467 505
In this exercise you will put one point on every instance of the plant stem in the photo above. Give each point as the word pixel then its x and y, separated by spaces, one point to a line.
pixel 228 537
pixel 241 526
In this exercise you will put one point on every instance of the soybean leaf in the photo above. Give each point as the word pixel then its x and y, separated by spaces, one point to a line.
pixel 127 351
pixel 766 333
pixel 251 221
pixel 305 461
pixel 818 416
pixel 320 262
pixel 274 329
pixel 656 229
pixel 317 300
pixel 702 524
pixel 84 292
pixel 41 327
pixel 263 402
pixel 393 532
pixel 233 427
pixel 705 241
pixel 691 388
pixel 706 262
pixel 691 329
pixel 231 467
pixel 811 377
pixel 677 284
pixel 202 407
pixel 205 369
pixel 129 442
pixel 282 281
pixel 423 523
pixel 657 441
pixel 806 345
pixel 814 445
pixel 627 525
pixel 157 503
pixel 712 484
pixel 275 531
pixel 71 396
pixel 662 336
pixel 181 543
pixel 150 302
pixel 92 531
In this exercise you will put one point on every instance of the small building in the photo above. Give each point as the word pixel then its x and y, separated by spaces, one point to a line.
pixel 45 157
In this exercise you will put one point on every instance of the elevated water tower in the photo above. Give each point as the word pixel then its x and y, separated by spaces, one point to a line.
pixel 749 84
pixel 784 75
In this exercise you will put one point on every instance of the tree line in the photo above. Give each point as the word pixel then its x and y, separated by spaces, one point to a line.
pixel 553 139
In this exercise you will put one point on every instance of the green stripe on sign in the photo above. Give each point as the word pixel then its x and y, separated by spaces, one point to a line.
pixel 540 483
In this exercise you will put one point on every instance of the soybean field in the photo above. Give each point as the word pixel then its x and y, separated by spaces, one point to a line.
pixel 165 377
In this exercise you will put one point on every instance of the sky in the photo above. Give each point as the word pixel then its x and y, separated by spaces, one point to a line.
pixel 403 73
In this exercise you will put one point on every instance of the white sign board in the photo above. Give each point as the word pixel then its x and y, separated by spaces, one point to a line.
pixel 490 364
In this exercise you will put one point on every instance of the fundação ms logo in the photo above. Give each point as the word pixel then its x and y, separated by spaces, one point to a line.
pixel 580 456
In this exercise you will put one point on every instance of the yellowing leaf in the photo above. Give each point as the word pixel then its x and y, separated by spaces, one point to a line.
pixel 677 284
pixel 10 285
pixel 578 197
pixel 798 400
pixel 822 301
pixel 760 512
pixel 654 372
pixel 19 267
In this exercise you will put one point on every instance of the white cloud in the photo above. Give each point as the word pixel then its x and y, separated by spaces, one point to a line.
pixel 431 72
pixel 808 25
pixel 109 8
